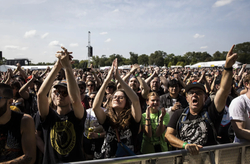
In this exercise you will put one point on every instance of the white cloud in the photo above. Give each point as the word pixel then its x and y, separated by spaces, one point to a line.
pixel 73 45
pixel 108 40
pixel 12 47
pixel 55 43
pixel 30 34
pixel 24 48
pixel 199 36
pixel 203 47
pixel 33 1
pixel 220 3
pixel 116 10
pixel 103 33
pixel 44 35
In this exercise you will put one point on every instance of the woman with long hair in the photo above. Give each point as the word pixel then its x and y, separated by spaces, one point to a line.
pixel 154 123
pixel 123 117
pixel 91 87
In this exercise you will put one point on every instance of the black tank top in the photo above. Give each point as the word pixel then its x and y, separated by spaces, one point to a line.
pixel 10 138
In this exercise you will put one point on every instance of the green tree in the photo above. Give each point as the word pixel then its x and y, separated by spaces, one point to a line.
pixel 157 58
pixel 83 64
pixel 133 57
pixel 75 64
pixel 143 59
pixel 243 51
pixel 169 64
pixel 2 62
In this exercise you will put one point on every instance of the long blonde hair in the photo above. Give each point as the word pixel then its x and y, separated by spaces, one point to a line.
pixel 120 121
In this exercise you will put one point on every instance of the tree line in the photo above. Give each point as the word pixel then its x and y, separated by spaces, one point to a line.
pixel 161 58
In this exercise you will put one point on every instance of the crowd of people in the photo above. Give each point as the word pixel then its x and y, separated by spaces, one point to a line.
pixel 68 115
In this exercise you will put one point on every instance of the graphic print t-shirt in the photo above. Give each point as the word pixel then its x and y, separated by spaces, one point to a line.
pixel 62 137
pixel 196 131
pixel 10 138
pixel 127 136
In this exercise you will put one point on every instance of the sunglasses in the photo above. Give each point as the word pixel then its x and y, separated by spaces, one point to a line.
pixel 196 92
pixel 90 85
pixel 63 93
pixel 118 97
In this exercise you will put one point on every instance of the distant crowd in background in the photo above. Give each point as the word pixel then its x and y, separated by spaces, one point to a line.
pixel 68 115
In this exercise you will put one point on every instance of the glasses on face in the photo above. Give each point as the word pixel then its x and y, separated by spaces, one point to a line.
pixel 118 97
pixel 90 85
pixel 63 93
pixel 196 92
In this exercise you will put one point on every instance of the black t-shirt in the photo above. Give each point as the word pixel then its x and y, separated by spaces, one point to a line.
pixel 62 137
pixel 10 138
pixel 127 136
pixel 198 133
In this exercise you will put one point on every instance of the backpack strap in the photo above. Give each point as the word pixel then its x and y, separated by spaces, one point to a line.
pixel 205 115
pixel 181 119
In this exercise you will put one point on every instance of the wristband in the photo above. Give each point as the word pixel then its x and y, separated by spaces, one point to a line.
pixel 99 135
pixel 228 69
pixel 147 124
pixel 147 119
pixel 184 144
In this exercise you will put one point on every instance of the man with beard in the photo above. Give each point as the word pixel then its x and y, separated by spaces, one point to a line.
pixel 197 125
pixel 62 127
pixel 141 89
pixel 17 132
pixel 155 86
pixel 138 85
pixel 173 100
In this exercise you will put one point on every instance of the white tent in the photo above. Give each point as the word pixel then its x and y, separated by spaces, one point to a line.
pixel 37 67
pixel 213 64
pixel 4 68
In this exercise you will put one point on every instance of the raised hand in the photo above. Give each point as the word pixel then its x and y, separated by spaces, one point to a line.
pixel 163 113
pixel 176 106
pixel 231 58
pixel 134 68
pixel 116 72
pixel 109 76
pixel 64 57
pixel 18 66
pixel 148 112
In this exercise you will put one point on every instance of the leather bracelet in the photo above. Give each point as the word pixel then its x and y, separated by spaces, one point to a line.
pixel 147 124
pixel 228 69
pixel 147 119
pixel 184 144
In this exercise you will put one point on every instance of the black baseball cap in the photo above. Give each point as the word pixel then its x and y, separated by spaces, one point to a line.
pixel 62 83
pixel 195 85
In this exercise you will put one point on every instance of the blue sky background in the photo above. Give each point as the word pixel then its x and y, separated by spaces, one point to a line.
pixel 35 29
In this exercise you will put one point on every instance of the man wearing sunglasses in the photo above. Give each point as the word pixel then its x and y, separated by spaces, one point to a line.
pixel 63 127
pixel 17 132
pixel 197 125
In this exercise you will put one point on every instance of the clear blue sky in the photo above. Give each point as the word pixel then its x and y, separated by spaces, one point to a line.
pixel 35 29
